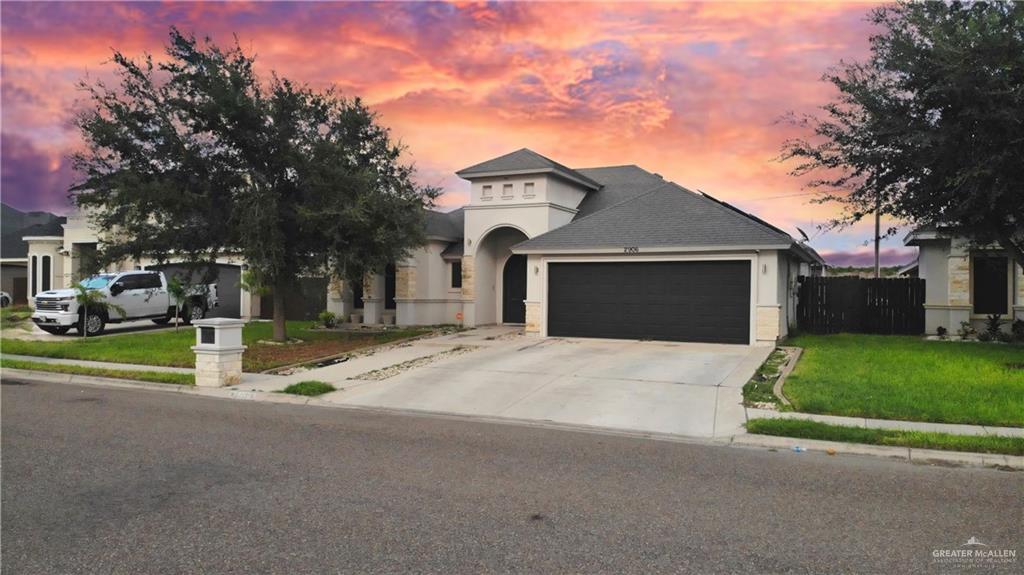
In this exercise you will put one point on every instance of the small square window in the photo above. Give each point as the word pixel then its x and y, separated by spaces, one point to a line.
pixel 456 275
pixel 506 191
pixel 486 191
pixel 528 190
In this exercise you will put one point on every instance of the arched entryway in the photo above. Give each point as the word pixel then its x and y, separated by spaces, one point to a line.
pixel 499 277
pixel 513 290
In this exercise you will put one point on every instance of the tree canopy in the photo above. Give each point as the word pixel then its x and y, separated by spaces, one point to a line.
pixel 195 157
pixel 931 126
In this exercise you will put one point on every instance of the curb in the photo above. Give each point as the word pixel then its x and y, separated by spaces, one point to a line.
pixel 910 454
pixel 794 356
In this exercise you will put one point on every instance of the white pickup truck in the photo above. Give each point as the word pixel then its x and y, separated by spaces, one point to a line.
pixel 142 295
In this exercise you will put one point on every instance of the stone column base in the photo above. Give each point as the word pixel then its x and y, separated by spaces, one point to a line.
pixel 218 368
pixel 533 317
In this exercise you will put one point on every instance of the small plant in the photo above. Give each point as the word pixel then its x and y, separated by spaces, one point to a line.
pixel 993 325
pixel 1003 336
pixel 941 332
pixel 177 291
pixel 327 319
pixel 310 388
pixel 985 336
pixel 966 331
pixel 1017 329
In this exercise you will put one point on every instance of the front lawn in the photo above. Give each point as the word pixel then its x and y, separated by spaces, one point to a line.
pixel 173 348
pixel 918 439
pixel 908 378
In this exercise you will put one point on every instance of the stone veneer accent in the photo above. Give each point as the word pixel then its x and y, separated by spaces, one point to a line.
pixel 467 278
pixel 533 316
pixel 405 282
pixel 218 369
pixel 368 281
pixel 1020 285
pixel 767 328
pixel 959 275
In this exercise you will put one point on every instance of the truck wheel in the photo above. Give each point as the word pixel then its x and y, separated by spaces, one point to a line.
pixel 92 325
pixel 194 312
pixel 162 320
pixel 4 302
pixel 59 330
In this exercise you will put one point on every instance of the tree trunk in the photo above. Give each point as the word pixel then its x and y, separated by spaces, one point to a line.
pixel 280 329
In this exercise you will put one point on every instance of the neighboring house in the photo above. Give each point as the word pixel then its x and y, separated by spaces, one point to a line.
pixel 22 269
pixel 964 282
pixel 613 252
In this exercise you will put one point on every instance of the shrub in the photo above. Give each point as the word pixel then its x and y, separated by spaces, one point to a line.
pixel 1004 337
pixel 1017 328
pixel 327 319
pixel 965 331
pixel 985 336
pixel 941 331
pixel 993 324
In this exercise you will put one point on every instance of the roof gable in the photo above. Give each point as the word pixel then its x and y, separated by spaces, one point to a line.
pixel 524 161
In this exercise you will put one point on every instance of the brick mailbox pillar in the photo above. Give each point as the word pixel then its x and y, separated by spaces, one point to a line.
pixel 218 351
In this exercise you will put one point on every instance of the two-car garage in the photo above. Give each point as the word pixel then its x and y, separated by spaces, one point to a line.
pixel 695 301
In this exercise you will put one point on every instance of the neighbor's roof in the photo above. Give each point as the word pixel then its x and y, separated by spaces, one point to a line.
pixel 16 224
pixel 666 216
pixel 524 161
pixel 446 225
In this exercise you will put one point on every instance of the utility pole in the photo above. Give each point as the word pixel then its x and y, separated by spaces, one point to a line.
pixel 878 218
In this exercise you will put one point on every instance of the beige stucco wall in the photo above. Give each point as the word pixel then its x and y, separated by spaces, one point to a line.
pixel 546 189
pixel 45 248
pixel 424 295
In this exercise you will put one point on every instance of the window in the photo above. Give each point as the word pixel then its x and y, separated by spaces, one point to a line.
pixel 33 278
pixel 129 282
pixel 486 191
pixel 991 290
pixel 457 275
pixel 46 273
pixel 528 190
pixel 149 281
pixel 506 191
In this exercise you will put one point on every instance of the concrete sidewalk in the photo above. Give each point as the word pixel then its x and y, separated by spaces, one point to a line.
pixel 952 428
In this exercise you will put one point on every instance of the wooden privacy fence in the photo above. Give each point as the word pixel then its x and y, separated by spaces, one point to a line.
pixel 862 305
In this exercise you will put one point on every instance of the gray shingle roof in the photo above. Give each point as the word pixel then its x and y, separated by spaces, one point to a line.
pixel 447 225
pixel 524 160
pixel 618 184
pixel 666 216
pixel 16 224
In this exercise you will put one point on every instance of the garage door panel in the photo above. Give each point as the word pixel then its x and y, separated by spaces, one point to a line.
pixel 706 301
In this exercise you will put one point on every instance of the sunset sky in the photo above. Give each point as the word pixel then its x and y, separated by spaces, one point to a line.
pixel 691 91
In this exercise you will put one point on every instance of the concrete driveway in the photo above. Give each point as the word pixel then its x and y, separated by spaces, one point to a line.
pixel 658 387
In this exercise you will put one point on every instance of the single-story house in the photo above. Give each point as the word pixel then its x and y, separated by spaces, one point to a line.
pixel 612 252
pixel 963 281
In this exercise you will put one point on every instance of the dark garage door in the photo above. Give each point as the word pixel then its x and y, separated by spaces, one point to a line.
pixel 676 301
pixel 229 290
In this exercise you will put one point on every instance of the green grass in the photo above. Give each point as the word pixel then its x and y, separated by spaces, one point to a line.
pixel 760 387
pixel 920 439
pixel 173 348
pixel 908 378
pixel 311 388
pixel 154 376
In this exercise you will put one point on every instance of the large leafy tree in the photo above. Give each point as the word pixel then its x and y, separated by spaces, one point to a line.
pixel 930 128
pixel 196 156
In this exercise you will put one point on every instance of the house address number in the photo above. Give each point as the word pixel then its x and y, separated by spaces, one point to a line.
pixel 630 250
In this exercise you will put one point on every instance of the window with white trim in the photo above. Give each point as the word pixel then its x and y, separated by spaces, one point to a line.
pixel 485 191
pixel 528 190
pixel 506 191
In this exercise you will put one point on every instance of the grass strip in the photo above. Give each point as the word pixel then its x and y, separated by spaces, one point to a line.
pixel 921 439
pixel 311 388
pixel 152 376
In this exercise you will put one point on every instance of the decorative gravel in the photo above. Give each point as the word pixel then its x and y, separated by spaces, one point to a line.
pixel 393 370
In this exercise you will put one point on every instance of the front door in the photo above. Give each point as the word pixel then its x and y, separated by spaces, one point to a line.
pixel 513 290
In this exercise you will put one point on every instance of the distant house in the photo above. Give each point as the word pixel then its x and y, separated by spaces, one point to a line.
pixel 965 282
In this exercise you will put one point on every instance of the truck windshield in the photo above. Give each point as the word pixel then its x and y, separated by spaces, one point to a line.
pixel 97 282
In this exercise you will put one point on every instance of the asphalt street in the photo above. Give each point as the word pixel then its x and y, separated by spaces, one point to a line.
pixel 99 480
